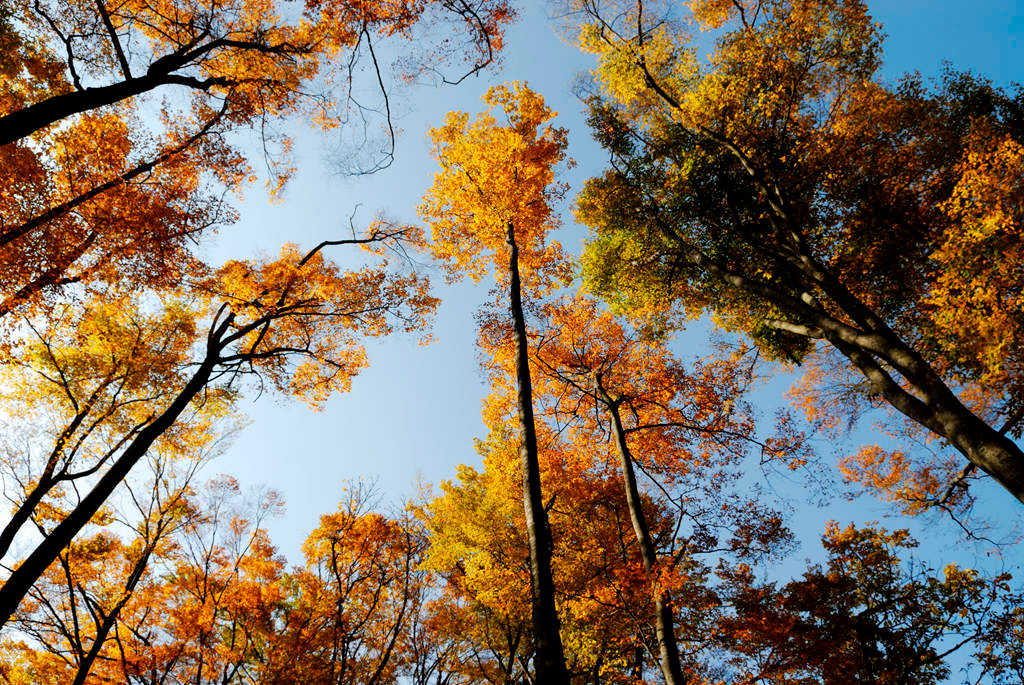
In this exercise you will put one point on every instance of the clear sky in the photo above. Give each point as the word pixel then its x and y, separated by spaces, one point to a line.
pixel 415 411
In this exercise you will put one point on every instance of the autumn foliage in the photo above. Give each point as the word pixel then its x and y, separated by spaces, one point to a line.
pixel 861 226
pixel 634 512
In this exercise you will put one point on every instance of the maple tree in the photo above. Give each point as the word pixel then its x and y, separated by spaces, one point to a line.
pixel 781 184
pixel 490 210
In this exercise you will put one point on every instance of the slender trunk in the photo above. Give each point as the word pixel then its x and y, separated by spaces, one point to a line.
pixel 664 626
pixel 29 571
pixel 46 480
pixel 549 656
pixel 109 620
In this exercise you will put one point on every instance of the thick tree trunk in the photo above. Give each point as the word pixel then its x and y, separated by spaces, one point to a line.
pixel 918 391
pixel 549 656
pixel 29 571
pixel 24 122
pixel 941 411
pixel 664 626
pixel 934 405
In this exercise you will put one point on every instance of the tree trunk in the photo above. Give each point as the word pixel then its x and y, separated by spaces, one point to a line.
pixel 935 406
pixel 11 234
pixel 943 413
pixel 23 513
pixel 664 626
pixel 549 656
pixel 24 122
pixel 29 571
pixel 110 619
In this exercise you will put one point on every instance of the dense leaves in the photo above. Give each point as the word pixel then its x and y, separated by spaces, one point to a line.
pixel 624 521
pixel 782 185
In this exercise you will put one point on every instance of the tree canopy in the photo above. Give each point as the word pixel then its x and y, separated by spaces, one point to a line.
pixel 645 503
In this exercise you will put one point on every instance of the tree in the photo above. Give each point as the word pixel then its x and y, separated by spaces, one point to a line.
pixel 479 550
pixel 201 596
pixel 109 188
pixel 75 611
pixel 257 52
pixel 296 321
pixel 631 563
pixel 114 117
pixel 687 428
pixel 171 600
pixel 206 616
pixel 350 607
pixel 867 615
pixel 490 209
pixel 783 186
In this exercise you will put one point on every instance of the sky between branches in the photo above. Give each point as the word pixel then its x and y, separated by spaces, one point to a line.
pixel 415 411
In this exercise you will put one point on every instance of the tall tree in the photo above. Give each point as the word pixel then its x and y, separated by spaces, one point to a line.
pixel 782 185
pixel 479 550
pixel 296 321
pixel 687 428
pixel 187 600
pixel 76 611
pixel 79 56
pixel 490 209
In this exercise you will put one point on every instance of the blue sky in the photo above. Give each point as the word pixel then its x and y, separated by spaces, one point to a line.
pixel 415 411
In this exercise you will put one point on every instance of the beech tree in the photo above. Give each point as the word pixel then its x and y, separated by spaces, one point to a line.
pixel 188 600
pixel 612 534
pixel 490 210
pixel 203 597
pixel 782 185
pixel 78 607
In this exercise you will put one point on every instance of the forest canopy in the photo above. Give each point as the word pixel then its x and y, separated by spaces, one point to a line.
pixel 747 319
